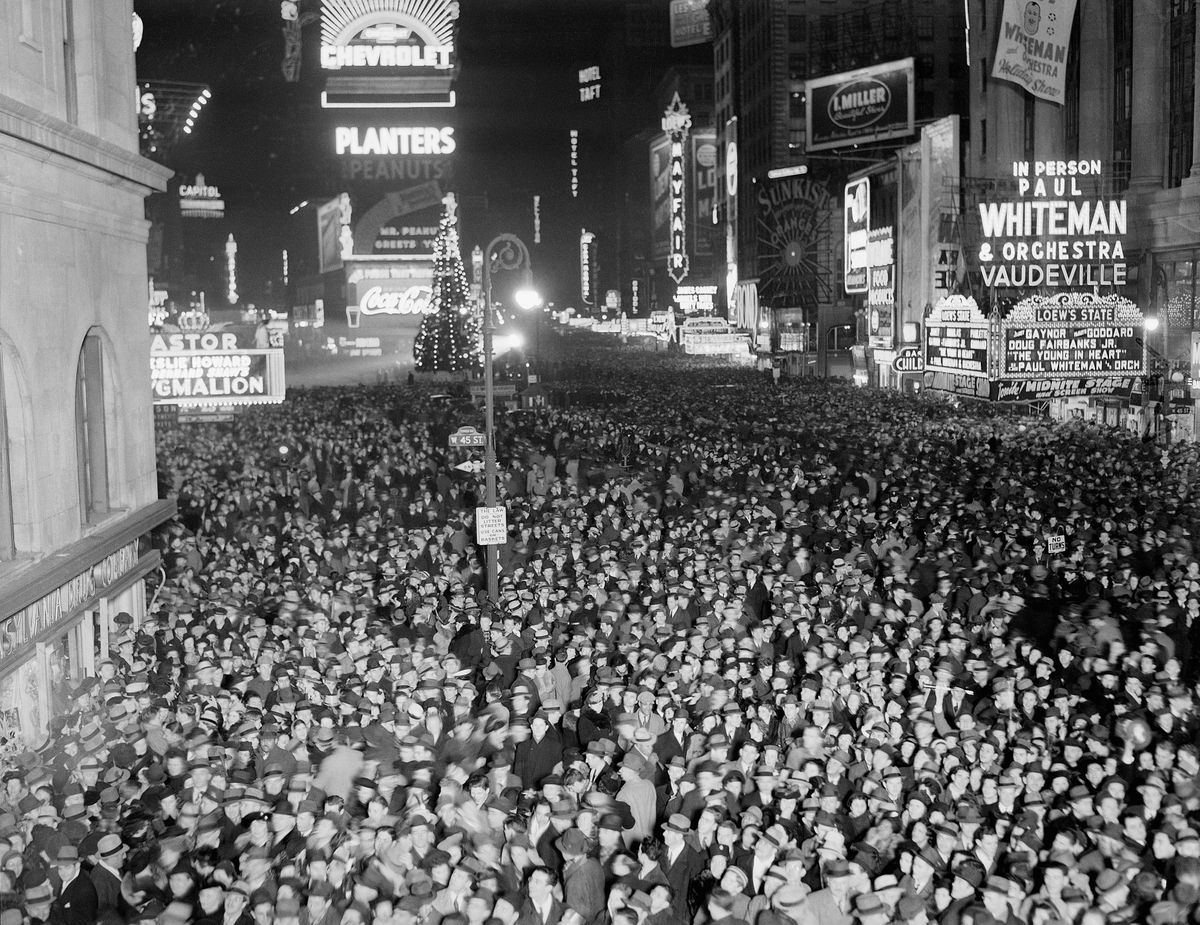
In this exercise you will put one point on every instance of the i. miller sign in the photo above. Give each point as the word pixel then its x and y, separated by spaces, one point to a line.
pixel 415 300
pixel 871 104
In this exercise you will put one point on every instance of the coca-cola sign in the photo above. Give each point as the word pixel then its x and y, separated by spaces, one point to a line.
pixel 415 300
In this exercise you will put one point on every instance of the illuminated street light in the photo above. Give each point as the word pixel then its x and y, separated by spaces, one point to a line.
pixel 528 299
pixel 1152 323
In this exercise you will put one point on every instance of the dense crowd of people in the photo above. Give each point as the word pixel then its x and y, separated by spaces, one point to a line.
pixel 794 654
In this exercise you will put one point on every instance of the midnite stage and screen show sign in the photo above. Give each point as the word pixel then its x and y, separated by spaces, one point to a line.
pixel 1058 234
pixel 214 367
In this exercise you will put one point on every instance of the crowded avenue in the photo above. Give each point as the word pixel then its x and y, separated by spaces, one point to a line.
pixel 773 654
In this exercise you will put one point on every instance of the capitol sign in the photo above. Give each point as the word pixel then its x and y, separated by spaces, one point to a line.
pixel 415 300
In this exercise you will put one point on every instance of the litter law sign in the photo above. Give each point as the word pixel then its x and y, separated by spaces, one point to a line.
pixel 491 526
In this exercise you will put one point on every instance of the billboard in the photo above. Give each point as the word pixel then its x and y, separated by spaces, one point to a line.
pixel 704 189
pixel 660 196
pixel 881 288
pixel 1059 233
pixel 388 53
pixel 856 218
pixel 1032 47
pixel 956 338
pixel 214 367
pixel 857 107
pixel 690 23
pixel 796 249
pixel 199 200
pixel 1072 334
pixel 329 231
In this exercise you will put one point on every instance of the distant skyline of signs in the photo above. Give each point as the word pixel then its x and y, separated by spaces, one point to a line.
pixel 856 107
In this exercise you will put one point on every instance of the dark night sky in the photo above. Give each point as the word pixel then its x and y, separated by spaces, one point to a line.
pixel 267 143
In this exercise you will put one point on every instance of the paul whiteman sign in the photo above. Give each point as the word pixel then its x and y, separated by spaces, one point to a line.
pixel 1059 233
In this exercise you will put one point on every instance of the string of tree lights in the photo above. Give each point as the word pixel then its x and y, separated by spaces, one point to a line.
pixel 451 336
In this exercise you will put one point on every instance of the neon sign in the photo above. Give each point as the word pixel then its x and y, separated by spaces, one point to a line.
pixel 394 141
pixel 415 300
pixel 574 163
pixel 589 83
pixel 390 34
pixel 676 122
pixel 1057 234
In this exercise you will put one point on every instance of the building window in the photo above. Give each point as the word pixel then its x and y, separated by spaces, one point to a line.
pixel 797 29
pixel 924 27
pixel 796 105
pixel 1122 111
pixel 91 441
pixel 1183 90
pixel 983 139
pixel 983 76
pixel 925 66
pixel 797 67
pixel 70 81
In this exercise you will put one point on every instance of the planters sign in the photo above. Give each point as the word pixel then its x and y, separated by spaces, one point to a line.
pixel 871 104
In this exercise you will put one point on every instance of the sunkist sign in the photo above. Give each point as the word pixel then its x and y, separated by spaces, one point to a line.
pixel 1058 234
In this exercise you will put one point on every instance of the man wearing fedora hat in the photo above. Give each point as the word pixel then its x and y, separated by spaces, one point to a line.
pixel 77 903
pixel 583 877
pixel 106 877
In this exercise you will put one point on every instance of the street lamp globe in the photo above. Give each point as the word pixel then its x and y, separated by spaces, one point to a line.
pixel 528 299
pixel 1151 323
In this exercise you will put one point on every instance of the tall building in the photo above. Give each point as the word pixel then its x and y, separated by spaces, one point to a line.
pixel 783 236
pixel 78 487
pixel 1128 118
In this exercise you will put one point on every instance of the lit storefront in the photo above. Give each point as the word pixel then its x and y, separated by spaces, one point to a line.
pixel 59 623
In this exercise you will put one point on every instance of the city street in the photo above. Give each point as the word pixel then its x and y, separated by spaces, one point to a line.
pixel 606 462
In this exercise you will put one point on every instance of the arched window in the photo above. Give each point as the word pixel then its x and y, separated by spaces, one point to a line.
pixel 90 439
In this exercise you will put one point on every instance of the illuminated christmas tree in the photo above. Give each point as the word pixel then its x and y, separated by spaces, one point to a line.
pixel 450 336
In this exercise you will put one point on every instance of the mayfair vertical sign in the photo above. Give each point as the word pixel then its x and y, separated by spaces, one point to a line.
pixel 676 122
pixel 871 104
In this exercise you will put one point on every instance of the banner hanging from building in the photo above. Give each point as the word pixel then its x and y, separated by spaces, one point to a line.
pixel 871 104
pixel 1032 48
pixel 881 288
